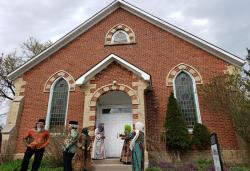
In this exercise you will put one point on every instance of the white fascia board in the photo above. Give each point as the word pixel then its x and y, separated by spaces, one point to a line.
pixel 104 63
pixel 184 35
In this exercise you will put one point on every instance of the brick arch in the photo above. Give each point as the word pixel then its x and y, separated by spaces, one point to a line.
pixel 183 67
pixel 55 76
pixel 117 87
pixel 117 27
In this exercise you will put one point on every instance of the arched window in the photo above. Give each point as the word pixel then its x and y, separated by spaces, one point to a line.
pixel 120 36
pixel 186 98
pixel 58 105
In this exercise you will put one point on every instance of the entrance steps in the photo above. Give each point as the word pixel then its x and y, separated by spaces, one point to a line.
pixel 111 164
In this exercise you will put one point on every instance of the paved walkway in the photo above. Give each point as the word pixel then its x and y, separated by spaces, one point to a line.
pixel 111 165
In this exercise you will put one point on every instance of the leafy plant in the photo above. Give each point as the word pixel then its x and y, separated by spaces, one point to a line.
pixel 177 139
pixel 201 137
pixel 153 169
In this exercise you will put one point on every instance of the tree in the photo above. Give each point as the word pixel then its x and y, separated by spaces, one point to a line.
pixel 201 137
pixel 233 99
pixel 176 134
pixel 12 61
pixel 32 47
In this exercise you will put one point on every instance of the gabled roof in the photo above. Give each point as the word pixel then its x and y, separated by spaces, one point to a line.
pixel 107 61
pixel 220 53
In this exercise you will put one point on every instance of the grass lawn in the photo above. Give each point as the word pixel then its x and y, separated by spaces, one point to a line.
pixel 15 166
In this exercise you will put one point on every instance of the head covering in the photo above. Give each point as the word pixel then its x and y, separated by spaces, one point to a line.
pixel 41 120
pixel 139 126
pixel 73 124
pixel 85 131
pixel 101 127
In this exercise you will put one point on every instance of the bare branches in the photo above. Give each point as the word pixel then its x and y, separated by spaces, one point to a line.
pixel 12 61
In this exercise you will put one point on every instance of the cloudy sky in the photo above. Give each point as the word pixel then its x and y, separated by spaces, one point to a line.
pixel 224 23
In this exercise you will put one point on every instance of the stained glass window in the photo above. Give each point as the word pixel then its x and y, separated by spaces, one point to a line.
pixel 120 36
pixel 58 105
pixel 186 98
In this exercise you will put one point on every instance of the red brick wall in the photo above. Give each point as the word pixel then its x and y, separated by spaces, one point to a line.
pixel 156 52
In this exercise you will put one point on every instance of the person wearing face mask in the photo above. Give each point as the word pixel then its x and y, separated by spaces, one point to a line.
pixel 36 139
pixel 83 156
pixel 70 145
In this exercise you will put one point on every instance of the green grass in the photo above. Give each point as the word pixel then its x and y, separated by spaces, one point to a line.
pixel 15 166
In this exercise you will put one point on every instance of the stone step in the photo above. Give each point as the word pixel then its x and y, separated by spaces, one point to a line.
pixel 111 164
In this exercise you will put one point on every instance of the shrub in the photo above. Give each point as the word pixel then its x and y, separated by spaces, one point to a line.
pixel 188 167
pixel 204 164
pixel 54 152
pixel 177 139
pixel 153 169
pixel 166 166
pixel 239 168
pixel 201 137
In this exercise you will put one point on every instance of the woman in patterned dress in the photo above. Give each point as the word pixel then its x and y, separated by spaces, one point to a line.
pixel 83 156
pixel 126 152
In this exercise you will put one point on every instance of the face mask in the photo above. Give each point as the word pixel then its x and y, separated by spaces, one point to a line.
pixel 39 129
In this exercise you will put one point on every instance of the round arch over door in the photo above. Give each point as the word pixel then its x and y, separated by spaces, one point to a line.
pixel 114 109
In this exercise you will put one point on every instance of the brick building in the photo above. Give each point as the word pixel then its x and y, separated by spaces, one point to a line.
pixel 119 67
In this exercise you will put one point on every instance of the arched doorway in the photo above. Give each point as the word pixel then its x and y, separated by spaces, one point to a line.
pixel 114 109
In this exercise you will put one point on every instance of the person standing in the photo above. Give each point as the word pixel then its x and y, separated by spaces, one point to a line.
pixel 83 156
pixel 36 139
pixel 98 147
pixel 137 147
pixel 70 145
pixel 126 152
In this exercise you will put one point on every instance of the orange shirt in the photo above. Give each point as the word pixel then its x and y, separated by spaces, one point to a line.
pixel 39 139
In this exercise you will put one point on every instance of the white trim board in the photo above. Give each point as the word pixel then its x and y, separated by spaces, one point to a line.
pixel 220 53
pixel 107 61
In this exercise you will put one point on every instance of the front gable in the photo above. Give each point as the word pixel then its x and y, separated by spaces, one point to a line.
pixel 218 52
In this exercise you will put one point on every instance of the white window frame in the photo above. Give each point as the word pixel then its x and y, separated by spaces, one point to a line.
pixel 47 124
pixel 117 32
pixel 190 130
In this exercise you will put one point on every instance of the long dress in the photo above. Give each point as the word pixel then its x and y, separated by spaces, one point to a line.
pixel 98 145
pixel 83 156
pixel 126 152
pixel 138 152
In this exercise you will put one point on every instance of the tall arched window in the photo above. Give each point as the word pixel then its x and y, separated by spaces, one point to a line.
pixel 58 105
pixel 186 98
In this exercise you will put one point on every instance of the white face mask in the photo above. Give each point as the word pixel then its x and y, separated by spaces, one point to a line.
pixel 39 129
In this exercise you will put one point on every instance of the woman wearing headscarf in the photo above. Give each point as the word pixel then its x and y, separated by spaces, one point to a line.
pixel 137 147
pixel 126 152
pixel 98 145
pixel 83 156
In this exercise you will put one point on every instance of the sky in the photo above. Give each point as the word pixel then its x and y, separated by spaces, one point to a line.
pixel 224 23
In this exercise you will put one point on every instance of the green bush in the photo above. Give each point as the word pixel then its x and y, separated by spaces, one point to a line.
pixel 201 137
pixel 203 164
pixel 177 139
pixel 153 169
pixel 239 168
